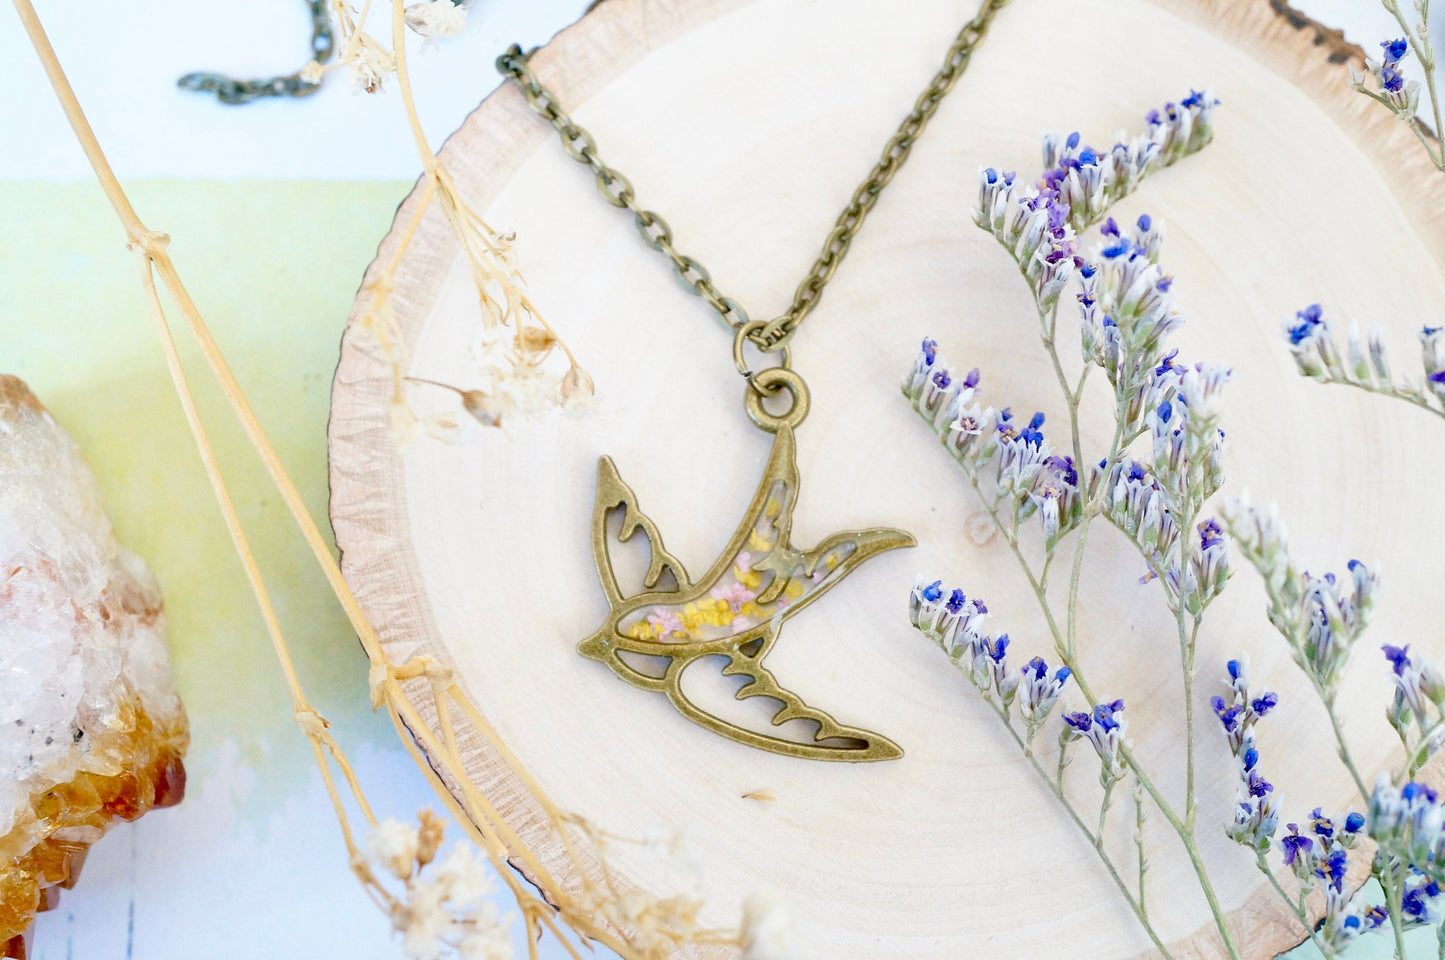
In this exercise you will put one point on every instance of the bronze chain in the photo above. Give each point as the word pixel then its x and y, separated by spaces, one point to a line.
pixel 772 334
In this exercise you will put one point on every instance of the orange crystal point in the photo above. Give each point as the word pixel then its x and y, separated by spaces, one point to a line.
pixel 91 730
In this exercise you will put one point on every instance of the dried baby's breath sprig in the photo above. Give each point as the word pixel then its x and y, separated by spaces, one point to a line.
pixel 768 929
pixel 441 909
pixel 521 365
pixel 436 19
pixel 596 914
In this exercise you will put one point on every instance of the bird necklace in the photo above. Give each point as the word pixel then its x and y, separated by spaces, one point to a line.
pixel 737 609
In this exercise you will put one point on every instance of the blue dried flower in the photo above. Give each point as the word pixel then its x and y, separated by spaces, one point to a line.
pixel 1297 849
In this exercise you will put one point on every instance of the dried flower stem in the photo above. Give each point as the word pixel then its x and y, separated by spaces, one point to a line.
pixel 1297 907
pixel 1185 831
pixel 1065 642
pixel 491 832
pixel 1095 840
pixel 1425 53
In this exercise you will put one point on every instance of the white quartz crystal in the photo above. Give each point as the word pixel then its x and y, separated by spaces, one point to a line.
pixel 82 635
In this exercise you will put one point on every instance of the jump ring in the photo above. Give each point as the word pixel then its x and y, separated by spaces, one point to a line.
pixel 743 334
pixel 773 379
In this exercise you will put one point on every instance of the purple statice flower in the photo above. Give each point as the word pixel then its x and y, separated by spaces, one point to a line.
pixel 1054 494
pixel 1299 850
pixel 1005 683
pixel 947 401
pixel 1432 355
pixel 1129 309
pixel 1256 807
pixel 1321 825
pixel 1038 691
pixel 1320 617
pixel 1395 90
pixel 1022 451
pixel 1313 346
pixel 955 622
pixel 922 370
pixel 1104 729
pixel 1208 567
pixel 1038 222
pixel 1407 822
pixel 1417 686
pixel 1333 618
pixel 925 603
pixel 937 392
pixel 1136 503
pixel 1420 905
pixel 1331 869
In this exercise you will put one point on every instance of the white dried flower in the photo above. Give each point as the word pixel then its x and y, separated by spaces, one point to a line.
pixel 312 72
pixel 768 930
pixel 437 19
pixel 461 876
pixel 369 64
pixel 485 942
pixel 394 845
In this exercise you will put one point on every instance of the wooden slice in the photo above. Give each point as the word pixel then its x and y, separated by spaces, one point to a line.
pixel 747 123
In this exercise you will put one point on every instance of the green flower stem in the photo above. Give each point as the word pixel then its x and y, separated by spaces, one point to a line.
pixel 1139 817
pixel 1186 655
pixel 1426 55
pixel 1185 833
pixel 1390 880
pixel 1391 390
pixel 1345 757
pixel 1421 752
pixel 1104 812
pixel 1297 907
pixel 1137 906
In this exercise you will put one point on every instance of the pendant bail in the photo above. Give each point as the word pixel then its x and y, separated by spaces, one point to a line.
pixel 769 382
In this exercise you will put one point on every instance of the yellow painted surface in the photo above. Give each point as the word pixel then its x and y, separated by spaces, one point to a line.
pixel 273 266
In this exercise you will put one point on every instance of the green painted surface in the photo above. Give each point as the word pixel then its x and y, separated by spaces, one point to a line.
pixel 273 266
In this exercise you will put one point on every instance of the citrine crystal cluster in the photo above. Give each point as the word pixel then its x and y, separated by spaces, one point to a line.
pixel 91 729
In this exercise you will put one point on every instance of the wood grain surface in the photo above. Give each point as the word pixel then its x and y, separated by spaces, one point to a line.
pixel 747 124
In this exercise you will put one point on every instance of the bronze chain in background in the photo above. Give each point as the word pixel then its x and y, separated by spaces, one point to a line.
pixel 229 90
pixel 617 190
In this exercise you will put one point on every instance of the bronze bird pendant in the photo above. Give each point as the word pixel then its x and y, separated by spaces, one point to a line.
pixel 735 610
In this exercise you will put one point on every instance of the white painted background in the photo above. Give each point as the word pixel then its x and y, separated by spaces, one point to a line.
pixel 197 882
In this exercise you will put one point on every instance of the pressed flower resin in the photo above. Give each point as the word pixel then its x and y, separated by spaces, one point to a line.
pixel 91 729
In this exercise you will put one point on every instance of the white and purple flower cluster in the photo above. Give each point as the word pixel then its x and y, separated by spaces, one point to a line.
pixel 1126 308
pixel 1037 223
pixel 1104 728
pixel 1401 95
pixel 1256 808
pixel 1320 617
pixel 1418 688
pixel 954 622
pixel 1321 855
pixel 1028 473
pixel 1408 823
pixel 1365 363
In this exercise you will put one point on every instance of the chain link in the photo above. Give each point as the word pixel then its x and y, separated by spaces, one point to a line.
pixel 232 91
pixel 617 190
